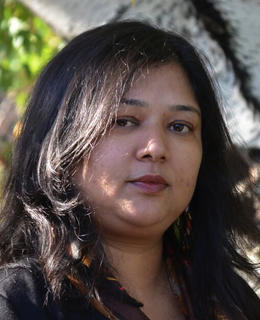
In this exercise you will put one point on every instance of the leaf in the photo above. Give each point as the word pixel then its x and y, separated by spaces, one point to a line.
pixel 26 45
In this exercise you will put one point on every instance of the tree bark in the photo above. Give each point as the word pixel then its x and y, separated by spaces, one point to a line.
pixel 8 118
pixel 241 95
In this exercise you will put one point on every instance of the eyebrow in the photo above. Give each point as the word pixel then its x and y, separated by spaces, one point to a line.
pixel 175 107
pixel 134 102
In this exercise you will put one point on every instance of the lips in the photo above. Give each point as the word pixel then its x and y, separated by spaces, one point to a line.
pixel 150 183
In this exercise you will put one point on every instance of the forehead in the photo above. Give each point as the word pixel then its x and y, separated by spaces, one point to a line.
pixel 166 84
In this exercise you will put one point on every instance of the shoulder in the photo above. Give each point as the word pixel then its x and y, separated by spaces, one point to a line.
pixel 23 274
pixel 23 292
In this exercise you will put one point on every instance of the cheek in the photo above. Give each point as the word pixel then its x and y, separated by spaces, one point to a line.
pixel 189 169
pixel 110 153
pixel 98 178
pixel 186 179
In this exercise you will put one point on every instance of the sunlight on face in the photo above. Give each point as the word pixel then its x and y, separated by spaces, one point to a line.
pixel 107 189
pixel 142 175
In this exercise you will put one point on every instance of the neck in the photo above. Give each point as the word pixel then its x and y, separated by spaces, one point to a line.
pixel 139 265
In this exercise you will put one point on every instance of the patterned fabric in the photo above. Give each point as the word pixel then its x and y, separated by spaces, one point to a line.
pixel 118 304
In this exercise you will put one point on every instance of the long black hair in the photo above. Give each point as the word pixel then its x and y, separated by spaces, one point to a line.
pixel 72 106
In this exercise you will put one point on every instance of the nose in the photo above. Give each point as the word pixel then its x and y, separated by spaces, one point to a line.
pixel 153 148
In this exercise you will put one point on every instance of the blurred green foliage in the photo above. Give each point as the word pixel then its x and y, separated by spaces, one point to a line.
pixel 26 45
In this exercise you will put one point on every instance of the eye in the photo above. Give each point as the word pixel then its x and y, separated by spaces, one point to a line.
pixel 179 127
pixel 126 122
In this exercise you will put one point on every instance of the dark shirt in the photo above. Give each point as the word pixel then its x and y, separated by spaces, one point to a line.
pixel 24 295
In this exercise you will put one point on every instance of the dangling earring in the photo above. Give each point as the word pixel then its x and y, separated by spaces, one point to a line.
pixel 187 219
pixel 177 228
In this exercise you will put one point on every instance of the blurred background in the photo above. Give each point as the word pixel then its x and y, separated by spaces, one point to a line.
pixel 226 31
pixel 26 45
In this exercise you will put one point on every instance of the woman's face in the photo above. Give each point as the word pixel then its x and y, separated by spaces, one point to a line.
pixel 141 176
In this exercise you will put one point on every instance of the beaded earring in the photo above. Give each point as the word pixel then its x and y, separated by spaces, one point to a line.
pixel 182 229
pixel 187 219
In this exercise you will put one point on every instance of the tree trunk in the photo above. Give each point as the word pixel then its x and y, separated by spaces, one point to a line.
pixel 226 31
pixel 8 118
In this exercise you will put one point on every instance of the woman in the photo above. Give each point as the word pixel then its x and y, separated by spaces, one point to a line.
pixel 122 200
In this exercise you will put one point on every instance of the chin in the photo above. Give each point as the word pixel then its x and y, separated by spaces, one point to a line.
pixel 147 218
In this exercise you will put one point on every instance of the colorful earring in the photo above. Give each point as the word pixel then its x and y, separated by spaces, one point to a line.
pixel 187 225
